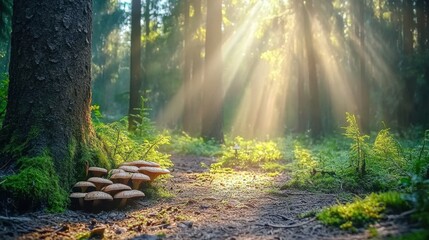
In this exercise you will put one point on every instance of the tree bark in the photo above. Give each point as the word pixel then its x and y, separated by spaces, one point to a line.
pixel 409 82
pixel 135 66
pixel 315 115
pixel 188 113
pixel 364 85
pixel 212 119
pixel 49 98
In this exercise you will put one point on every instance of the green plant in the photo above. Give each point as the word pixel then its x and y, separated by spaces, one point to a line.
pixel 241 153
pixel 143 143
pixel 359 149
pixel 187 145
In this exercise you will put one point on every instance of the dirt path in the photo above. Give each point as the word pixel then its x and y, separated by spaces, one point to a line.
pixel 205 206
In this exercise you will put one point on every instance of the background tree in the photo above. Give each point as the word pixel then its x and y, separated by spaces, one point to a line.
pixel 47 134
pixel 212 118
pixel 135 66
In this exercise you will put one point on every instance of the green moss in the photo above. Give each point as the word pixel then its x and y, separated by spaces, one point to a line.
pixel 362 211
pixel 36 184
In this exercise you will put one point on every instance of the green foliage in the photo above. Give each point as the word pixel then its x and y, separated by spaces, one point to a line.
pixel 4 84
pixel 36 184
pixel 123 145
pixel 187 145
pixel 241 153
pixel 359 147
pixel 362 211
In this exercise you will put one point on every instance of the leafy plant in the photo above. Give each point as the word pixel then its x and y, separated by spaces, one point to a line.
pixel 123 145
pixel 187 145
pixel 241 153
pixel 359 149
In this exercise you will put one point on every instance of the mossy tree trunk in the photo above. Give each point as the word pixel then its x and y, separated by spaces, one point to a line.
pixel 48 111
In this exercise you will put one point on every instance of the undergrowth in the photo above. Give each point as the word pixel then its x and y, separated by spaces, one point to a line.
pixel 186 145
pixel 123 146
pixel 362 212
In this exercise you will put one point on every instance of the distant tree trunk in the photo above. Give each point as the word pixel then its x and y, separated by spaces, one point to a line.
pixel 188 112
pixel 364 85
pixel 48 110
pixel 421 25
pixel 197 68
pixel 409 82
pixel 212 119
pixel 302 123
pixel 315 115
pixel 135 66
pixel 147 50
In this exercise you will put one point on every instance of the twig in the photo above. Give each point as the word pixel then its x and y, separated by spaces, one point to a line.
pixel 15 219
pixel 282 217
pixel 404 214
pixel 286 226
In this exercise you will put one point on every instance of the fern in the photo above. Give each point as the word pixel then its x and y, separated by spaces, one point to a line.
pixel 359 149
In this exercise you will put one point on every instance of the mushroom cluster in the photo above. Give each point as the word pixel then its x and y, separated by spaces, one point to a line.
pixel 108 189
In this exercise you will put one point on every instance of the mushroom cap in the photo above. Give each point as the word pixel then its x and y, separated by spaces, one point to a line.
pixel 140 176
pixel 78 195
pixel 99 180
pixel 132 169
pixel 97 195
pixel 83 185
pixel 97 171
pixel 121 175
pixel 115 188
pixel 141 163
pixel 129 194
pixel 116 170
pixel 153 170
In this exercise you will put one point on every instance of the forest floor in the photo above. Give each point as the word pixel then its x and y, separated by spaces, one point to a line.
pixel 239 205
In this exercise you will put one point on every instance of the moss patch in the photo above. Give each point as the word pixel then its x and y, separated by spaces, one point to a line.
pixel 36 184
pixel 362 211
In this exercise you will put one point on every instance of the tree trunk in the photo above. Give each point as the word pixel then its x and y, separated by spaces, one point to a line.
pixel 212 119
pixel 48 110
pixel 364 85
pixel 315 116
pixel 135 71
pixel 188 113
pixel 147 51
pixel 409 81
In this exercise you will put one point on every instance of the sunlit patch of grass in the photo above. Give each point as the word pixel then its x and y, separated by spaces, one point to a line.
pixel 237 181
pixel 362 211
pixel 157 192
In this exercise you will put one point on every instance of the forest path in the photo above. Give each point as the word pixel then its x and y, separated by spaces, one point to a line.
pixel 240 205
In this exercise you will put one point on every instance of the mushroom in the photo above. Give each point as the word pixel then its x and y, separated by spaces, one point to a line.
pixel 128 194
pixel 116 170
pixel 132 169
pixel 84 186
pixel 122 177
pixel 97 171
pixel 99 182
pixel 76 199
pixel 141 163
pixel 97 196
pixel 112 189
pixel 153 172
pixel 138 178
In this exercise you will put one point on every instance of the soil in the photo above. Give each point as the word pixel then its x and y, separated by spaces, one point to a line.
pixel 240 205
